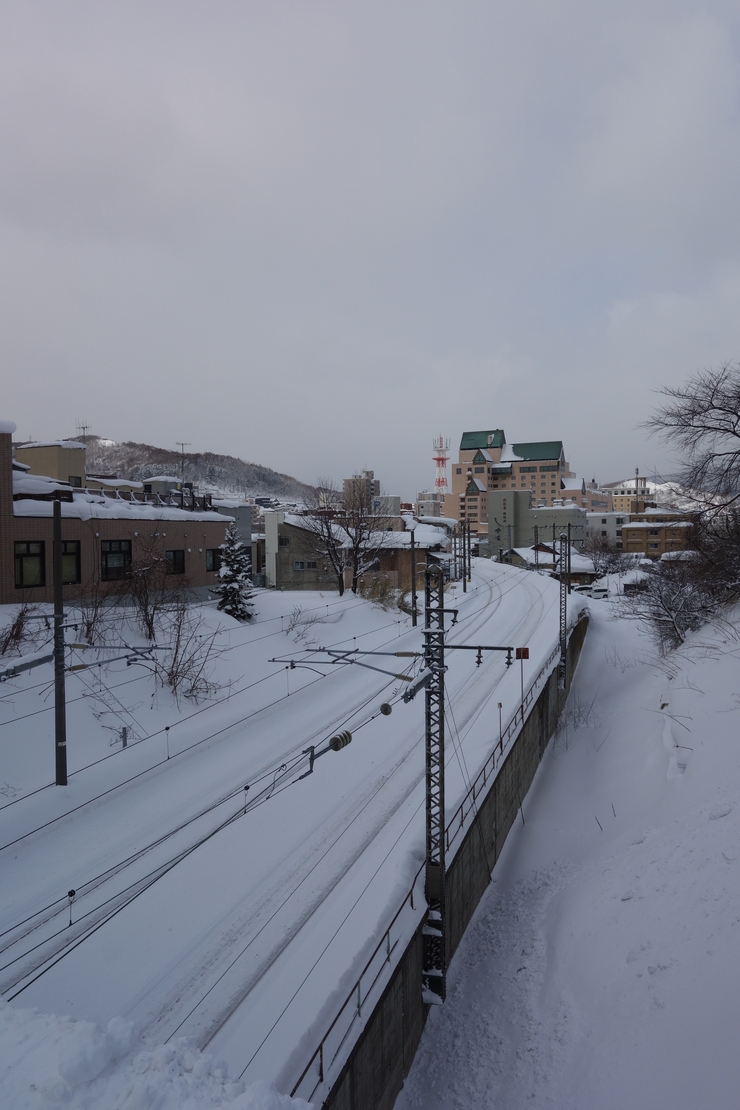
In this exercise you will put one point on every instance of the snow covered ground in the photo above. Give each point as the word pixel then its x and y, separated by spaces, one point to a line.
pixel 602 968
pixel 197 927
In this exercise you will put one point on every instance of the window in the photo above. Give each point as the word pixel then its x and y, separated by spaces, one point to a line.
pixel 304 564
pixel 653 532
pixel 458 470
pixel 620 521
pixel 71 562
pixel 30 565
pixel 115 559
pixel 603 520
pixel 527 469
pixel 213 558
pixel 652 545
pixel 75 480
pixel 604 534
pixel 175 561
pixel 284 541
pixel 548 468
pixel 480 469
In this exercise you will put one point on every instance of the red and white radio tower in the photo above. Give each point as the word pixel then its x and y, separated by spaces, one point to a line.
pixel 441 455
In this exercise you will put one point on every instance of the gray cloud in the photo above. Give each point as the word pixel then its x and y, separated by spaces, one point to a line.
pixel 317 234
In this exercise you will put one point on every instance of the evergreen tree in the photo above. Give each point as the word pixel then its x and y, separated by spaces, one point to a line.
pixel 235 590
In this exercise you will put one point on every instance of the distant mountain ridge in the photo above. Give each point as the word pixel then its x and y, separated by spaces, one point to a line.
pixel 220 474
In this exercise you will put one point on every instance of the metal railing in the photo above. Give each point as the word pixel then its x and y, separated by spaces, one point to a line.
pixel 488 772
pixel 176 499
pixel 349 1019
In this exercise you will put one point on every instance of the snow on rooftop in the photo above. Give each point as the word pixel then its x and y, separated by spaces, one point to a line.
pixel 70 443
pixel 86 506
pixel 659 524
pixel 116 483
pixel 29 484
pixel 509 455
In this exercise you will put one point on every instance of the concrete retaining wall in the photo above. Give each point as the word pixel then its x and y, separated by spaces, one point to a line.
pixel 380 1061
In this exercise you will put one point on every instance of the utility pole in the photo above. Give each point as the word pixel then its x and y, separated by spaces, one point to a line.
pixel 462 555
pixel 536 546
pixel 569 555
pixel 470 553
pixel 60 712
pixel 183 445
pixel 434 966
pixel 413 580
pixel 562 665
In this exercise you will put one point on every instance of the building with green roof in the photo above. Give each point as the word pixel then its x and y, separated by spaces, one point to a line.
pixel 487 463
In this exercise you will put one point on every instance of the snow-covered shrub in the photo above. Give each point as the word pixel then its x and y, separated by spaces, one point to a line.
pixel 379 589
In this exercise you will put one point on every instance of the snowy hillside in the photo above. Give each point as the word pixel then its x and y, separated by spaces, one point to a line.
pixel 601 971
pixel 222 474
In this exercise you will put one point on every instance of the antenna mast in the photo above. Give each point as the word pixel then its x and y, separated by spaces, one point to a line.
pixel 441 455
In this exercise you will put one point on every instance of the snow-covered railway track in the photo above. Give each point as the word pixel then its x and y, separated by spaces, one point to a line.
pixel 205 1023
pixel 265 909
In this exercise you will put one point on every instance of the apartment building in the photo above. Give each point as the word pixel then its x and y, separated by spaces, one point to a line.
pixel 607 526
pixel 654 538
pixel 630 496
pixel 360 490
pixel 487 463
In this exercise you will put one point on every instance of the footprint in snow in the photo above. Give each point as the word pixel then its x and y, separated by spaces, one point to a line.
pixel 720 811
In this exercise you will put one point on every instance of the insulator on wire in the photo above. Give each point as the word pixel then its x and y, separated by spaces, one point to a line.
pixel 386 709
pixel 341 740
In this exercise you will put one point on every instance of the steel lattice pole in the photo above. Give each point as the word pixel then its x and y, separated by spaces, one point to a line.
pixel 434 975
pixel 563 664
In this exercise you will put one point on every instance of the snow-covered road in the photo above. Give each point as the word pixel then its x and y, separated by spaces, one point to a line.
pixel 238 930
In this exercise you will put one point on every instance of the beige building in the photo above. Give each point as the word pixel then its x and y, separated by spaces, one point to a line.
pixel 103 536
pixel 631 496
pixel 360 490
pixel 487 464
pixel 65 461
pixel 654 538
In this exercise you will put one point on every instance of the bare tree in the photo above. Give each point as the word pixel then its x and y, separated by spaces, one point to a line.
pixel 674 602
pixel 604 555
pixel 365 535
pixel 149 588
pixel 186 667
pixel 345 534
pixel 326 537
pixel 702 419
pixel 14 634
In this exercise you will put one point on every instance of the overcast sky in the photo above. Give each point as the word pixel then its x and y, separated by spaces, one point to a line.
pixel 317 234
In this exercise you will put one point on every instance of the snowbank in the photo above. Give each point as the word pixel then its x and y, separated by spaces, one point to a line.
pixel 601 970
pixel 47 1062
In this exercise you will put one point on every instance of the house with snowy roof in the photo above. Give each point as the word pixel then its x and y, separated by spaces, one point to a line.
pixel 294 559
pixel 104 533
